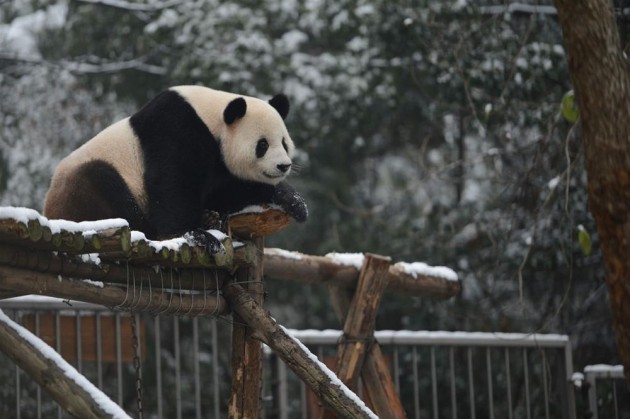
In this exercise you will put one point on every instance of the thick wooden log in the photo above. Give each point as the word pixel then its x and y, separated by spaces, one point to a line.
pixel 333 393
pixel 125 273
pixel 71 396
pixel 299 267
pixel 133 298
pixel 258 224
pixel 245 401
pixel 358 353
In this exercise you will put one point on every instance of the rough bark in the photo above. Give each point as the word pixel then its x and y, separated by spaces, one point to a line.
pixel 600 79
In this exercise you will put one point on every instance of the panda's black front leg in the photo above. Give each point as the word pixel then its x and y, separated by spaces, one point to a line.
pixel 290 201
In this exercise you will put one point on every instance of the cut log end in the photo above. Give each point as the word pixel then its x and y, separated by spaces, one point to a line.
pixel 258 224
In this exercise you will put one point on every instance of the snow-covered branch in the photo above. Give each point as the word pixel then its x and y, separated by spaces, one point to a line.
pixel 135 6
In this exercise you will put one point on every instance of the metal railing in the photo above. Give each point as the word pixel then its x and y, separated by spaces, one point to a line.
pixel 186 369
pixel 607 392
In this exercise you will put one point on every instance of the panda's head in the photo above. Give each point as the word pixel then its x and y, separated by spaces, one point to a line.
pixel 255 143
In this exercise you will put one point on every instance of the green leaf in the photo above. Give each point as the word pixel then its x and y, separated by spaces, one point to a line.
pixel 584 240
pixel 569 109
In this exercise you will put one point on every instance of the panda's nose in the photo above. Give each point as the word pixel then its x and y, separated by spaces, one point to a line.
pixel 284 167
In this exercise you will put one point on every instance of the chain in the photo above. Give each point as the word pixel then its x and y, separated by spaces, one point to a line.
pixel 137 365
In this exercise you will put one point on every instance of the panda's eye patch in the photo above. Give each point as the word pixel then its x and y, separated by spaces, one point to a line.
pixel 284 145
pixel 261 147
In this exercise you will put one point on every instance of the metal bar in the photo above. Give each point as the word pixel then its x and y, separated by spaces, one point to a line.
pixel 508 383
pixel 451 361
pixel 158 365
pixel 79 342
pixel 614 383
pixel 39 390
pixel 99 350
pixel 526 375
pixel 119 360
pixel 215 369
pixel 396 370
pixel 58 347
pixel 545 383
pixel 304 400
pixel 178 378
pixel 17 392
pixel 490 391
pixel 434 384
pixel 471 384
pixel 592 396
pixel 416 390
pixel 283 390
pixel 195 323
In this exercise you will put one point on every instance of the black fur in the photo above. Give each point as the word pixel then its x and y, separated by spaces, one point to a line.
pixel 234 110
pixel 281 103
pixel 114 199
pixel 184 171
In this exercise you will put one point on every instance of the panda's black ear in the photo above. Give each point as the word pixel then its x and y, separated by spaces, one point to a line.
pixel 281 103
pixel 234 110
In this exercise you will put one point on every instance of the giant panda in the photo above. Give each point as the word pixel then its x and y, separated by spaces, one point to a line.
pixel 188 151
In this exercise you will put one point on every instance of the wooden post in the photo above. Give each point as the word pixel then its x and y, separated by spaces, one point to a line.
pixel 358 354
pixel 246 351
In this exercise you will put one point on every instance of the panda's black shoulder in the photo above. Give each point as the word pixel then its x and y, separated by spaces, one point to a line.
pixel 167 109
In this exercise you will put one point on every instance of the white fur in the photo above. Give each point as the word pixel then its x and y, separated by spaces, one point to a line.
pixel 238 140
pixel 118 146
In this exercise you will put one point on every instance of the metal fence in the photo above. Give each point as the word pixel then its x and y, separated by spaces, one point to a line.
pixel 185 368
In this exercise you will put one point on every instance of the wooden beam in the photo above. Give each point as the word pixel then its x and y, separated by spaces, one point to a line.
pixel 71 396
pixel 332 392
pixel 299 267
pixel 245 401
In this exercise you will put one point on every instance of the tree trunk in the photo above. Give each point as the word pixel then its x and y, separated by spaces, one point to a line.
pixel 600 78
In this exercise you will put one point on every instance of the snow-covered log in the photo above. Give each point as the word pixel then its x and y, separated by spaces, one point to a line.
pixel 343 271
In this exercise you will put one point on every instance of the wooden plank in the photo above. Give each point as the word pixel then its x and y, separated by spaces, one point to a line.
pixel 245 401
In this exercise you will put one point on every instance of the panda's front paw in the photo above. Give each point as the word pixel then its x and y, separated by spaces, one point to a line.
pixel 291 202
pixel 202 238
pixel 296 208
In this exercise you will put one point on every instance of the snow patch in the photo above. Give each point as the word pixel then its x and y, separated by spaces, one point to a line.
pixel 284 253
pixel 347 259
pixel 416 269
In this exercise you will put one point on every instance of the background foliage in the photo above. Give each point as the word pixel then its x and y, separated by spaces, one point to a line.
pixel 429 131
